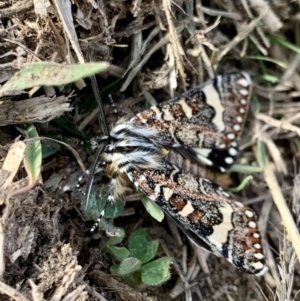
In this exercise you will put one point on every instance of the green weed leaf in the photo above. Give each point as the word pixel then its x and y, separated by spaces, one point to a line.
pixel 141 247
pixel 157 271
pixel 127 266
pixel 49 74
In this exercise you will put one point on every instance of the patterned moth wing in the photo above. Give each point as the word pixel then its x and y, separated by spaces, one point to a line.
pixel 205 123
pixel 203 210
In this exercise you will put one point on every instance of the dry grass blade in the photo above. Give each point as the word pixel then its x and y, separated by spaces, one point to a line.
pixel 174 39
pixel 282 124
pixel 11 164
pixel 274 152
pixel 270 19
pixel 138 67
pixel 285 213
pixel 65 13
pixel 243 33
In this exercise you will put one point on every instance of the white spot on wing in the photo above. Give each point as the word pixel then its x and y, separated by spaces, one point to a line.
pixel 247 76
pixel 243 92
pixel 243 82
pixel 167 193
pixel 220 233
pixel 222 169
pixel 167 115
pixel 239 119
pixel 186 108
pixel 236 127
pixel 249 213
pixel 232 151
pixel 213 99
pixel 231 136
pixel 259 266
pixel 202 154
pixel 228 160
pixel 225 194
pixel 252 224
pixel 239 204
pixel 187 209
pixel 157 112
pixel 259 256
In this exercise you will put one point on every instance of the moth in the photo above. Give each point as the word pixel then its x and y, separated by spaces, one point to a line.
pixel 204 125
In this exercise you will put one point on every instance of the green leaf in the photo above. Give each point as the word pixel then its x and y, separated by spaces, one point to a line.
pixel 242 185
pixel 153 209
pixel 267 59
pixel 33 153
pixel 133 279
pixel 114 209
pixel 120 253
pixel 284 43
pixel 127 266
pixel 261 154
pixel 242 168
pixel 95 205
pixel 268 77
pixel 97 201
pixel 49 74
pixel 296 140
pixel 70 127
pixel 118 233
pixel 141 247
pixel 49 148
pixel 157 271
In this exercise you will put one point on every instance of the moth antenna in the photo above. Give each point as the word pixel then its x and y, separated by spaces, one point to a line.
pixel 113 105
pixel 101 117
pixel 102 121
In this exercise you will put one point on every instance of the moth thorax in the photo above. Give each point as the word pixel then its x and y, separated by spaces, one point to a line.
pixel 123 185
pixel 111 169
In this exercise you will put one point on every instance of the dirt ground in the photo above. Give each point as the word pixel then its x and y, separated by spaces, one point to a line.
pixel 157 49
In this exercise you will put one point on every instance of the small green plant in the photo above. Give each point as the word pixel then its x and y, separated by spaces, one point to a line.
pixel 137 263
pixel 140 265
pixel 33 155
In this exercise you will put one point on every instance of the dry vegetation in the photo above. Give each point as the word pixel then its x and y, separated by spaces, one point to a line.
pixel 157 49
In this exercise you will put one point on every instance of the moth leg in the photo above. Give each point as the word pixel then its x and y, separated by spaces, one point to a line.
pixel 110 199
pixel 113 105
pixel 99 168
pixel 80 180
